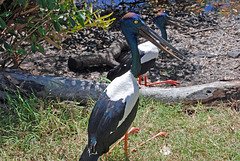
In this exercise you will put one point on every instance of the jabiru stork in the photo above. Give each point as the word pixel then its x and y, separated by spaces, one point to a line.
pixel 116 108
pixel 149 52
pixel 161 20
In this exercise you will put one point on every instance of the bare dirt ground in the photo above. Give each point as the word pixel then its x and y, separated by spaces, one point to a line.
pixel 212 49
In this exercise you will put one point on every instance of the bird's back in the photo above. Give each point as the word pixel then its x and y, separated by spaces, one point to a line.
pixel 148 53
pixel 148 50
pixel 113 113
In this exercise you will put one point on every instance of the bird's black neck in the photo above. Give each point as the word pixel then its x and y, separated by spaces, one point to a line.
pixel 136 63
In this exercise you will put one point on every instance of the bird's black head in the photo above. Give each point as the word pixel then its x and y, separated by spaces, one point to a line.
pixel 161 19
pixel 130 23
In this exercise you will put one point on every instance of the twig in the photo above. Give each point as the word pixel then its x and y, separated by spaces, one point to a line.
pixel 30 10
pixel 207 29
pixel 130 3
pixel 220 42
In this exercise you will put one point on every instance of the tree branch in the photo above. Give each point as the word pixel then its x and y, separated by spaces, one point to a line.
pixel 107 57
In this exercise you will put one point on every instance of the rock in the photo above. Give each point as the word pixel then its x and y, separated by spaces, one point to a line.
pixel 234 54
pixel 211 55
pixel 196 67
pixel 204 54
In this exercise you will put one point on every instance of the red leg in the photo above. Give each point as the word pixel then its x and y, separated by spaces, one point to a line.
pixel 168 81
pixel 145 80
pixel 140 80
pixel 151 84
pixel 159 134
pixel 131 131
pixel 125 144
pixel 172 82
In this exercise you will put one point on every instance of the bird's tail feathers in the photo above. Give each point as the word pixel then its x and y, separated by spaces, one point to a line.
pixel 88 157
pixel 92 148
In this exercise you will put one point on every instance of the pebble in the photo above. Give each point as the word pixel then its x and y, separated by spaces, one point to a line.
pixel 196 67
pixel 211 55
pixel 234 54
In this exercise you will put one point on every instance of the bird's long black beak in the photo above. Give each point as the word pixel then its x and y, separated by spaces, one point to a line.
pixel 158 41
pixel 174 22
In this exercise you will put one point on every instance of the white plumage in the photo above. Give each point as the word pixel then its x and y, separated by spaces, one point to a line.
pixel 126 88
pixel 149 51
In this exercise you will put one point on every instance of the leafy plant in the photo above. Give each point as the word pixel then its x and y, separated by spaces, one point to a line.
pixel 104 78
pixel 26 22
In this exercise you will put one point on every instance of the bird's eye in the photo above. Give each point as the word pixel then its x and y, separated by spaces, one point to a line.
pixel 136 22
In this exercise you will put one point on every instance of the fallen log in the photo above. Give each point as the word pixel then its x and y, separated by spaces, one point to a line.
pixel 205 93
pixel 72 89
pixel 49 86
pixel 107 57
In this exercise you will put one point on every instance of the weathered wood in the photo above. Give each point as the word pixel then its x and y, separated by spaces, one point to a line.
pixel 107 57
pixel 72 89
pixel 220 90
pixel 48 86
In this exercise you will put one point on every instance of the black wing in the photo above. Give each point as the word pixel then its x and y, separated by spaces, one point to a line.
pixel 103 122
pixel 122 68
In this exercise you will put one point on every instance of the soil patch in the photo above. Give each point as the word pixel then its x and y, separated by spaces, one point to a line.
pixel 212 50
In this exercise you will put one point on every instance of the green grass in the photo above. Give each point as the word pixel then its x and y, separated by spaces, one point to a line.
pixel 35 129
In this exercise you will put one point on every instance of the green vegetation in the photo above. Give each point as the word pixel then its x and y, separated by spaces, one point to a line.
pixel 35 129
pixel 28 23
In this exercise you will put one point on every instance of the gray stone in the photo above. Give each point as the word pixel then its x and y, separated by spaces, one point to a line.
pixel 234 54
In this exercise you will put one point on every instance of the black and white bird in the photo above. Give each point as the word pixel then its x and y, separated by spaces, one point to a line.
pixel 116 108
pixel 149 52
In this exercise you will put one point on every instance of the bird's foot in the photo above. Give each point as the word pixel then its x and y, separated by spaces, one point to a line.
pixel 133 130
pixel 158 135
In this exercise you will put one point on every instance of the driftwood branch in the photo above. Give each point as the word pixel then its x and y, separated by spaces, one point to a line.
pixel 107 57
pixel 205 93
pixel 72 89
